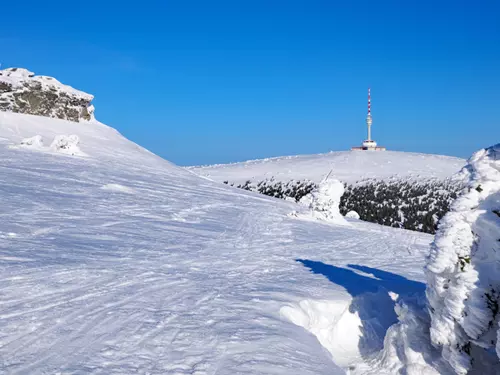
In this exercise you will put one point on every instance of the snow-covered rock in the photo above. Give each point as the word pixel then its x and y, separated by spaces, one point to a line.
pixel 23 92
pixel 463 270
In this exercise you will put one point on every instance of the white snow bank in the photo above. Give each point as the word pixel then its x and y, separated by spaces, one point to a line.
pixel 463 270
pixel 336 328
pixel 351 330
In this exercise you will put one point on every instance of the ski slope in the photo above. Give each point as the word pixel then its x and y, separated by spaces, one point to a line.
pixel 346 166
pixel 115 261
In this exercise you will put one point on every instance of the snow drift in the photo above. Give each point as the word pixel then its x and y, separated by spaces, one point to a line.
pixel 463 270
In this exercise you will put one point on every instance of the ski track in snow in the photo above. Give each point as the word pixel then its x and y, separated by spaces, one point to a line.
pixel 184 276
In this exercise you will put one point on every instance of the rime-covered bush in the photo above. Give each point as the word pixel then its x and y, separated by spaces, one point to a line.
pixel 409 204
pixel 325 200
pixel 463 271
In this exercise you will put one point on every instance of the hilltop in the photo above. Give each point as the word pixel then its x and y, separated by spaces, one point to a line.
pixel 347 166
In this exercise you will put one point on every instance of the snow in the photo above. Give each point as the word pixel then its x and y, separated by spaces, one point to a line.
pixel 346 166
pixel 462 270
pixel 352 215
pixel 121 262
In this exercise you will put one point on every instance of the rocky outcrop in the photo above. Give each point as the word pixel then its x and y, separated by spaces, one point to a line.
pixel 23 92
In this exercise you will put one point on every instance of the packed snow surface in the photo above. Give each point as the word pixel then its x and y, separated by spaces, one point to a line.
pixel 120 262
pixel 346 166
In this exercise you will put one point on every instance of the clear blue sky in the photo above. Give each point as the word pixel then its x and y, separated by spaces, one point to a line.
pixel 202 82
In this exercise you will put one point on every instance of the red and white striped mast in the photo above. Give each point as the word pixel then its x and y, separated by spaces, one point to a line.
pixel 369 116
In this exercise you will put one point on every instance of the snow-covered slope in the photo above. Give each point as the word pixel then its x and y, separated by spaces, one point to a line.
pixel 347 166
pixel 114 261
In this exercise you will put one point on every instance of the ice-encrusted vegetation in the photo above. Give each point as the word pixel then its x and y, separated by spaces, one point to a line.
pixel 323 203
pixel 463 270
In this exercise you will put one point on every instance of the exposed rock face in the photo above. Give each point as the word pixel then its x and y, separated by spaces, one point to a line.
pixel 23 92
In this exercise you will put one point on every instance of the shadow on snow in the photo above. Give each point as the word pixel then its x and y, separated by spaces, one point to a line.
pixel 370 289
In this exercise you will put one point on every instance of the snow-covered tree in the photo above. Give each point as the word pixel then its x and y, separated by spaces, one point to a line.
pixel 463 270
pixel 325 200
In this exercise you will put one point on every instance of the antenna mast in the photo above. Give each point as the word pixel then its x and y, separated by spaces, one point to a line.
pixel 369 116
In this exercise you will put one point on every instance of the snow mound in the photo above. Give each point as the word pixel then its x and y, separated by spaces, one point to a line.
pixel 33 142
pixel 64 144
pixel 350 330
pixel 463 270
pixel 335 327
pixel 352 215
pixel 346 166
pixel 67 144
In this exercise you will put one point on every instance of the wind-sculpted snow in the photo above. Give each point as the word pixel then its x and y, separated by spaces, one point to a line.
pixel 120 262
pixel 463 274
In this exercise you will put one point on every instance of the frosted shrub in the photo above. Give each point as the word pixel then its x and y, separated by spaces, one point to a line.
pixel 325 200
pixel 463 271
